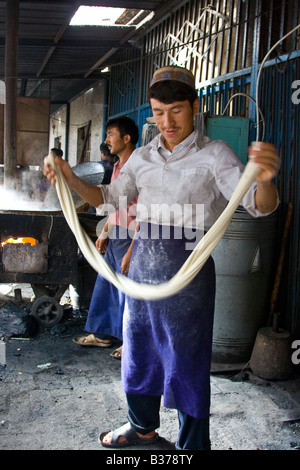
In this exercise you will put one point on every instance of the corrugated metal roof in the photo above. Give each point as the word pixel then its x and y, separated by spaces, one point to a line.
pixel 70 56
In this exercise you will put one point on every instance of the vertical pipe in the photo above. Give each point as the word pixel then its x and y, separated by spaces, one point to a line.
pixel 11 79
pixel 105 110
pixel 255 67
pixel 270 25
pixel 221 42
pixel 213 60
pixel 293 300
pixel 139 122
pixel 237 35
pixel 229 39
pixel 67 129
pixel 245 37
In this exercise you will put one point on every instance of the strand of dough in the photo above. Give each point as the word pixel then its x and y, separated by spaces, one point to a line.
pixel 189 269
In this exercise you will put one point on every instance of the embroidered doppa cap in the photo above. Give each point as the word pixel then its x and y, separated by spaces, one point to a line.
pixel 173 72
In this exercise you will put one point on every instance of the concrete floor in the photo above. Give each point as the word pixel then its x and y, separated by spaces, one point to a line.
pixel 56 395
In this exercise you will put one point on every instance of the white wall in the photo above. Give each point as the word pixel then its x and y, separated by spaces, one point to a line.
pixel 88 106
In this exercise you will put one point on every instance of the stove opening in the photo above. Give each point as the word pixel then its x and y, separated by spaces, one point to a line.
pixel 22 240
pixel 24 255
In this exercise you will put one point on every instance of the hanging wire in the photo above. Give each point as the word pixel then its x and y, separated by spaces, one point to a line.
pixel 259 74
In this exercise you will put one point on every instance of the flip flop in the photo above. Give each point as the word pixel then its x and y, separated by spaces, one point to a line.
pixel 115 355
pixel 132 439
pixel 90 340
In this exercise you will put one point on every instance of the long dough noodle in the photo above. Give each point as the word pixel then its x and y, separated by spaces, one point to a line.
pixel 189 269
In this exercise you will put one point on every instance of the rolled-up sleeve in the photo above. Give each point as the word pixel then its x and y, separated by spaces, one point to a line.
pixel 228 175
pixel 249 203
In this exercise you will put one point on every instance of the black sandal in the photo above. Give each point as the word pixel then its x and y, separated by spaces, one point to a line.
pixel 132 439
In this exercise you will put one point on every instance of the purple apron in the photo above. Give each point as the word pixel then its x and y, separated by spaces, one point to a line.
pixel 167 343
pixel 106 310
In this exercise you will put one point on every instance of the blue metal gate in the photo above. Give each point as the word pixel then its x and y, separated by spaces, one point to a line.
pixel 223 43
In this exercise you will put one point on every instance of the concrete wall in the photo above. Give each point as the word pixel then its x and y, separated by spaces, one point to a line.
pixel 89 106
pixel 32 130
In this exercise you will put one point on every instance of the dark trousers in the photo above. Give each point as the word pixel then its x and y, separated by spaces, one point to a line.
pixel 143 415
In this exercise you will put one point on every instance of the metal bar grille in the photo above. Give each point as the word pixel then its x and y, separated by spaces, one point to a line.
pixel 223 43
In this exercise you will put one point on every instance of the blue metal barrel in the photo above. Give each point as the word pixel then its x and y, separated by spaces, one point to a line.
pixel 245 264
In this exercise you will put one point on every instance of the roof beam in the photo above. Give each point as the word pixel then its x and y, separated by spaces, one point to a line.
pixel 158 13
pixel 93 3
pixel 58 36
pixel 10 109
pixel 88 43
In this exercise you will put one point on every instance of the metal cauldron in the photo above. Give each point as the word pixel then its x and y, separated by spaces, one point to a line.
pixel 90 172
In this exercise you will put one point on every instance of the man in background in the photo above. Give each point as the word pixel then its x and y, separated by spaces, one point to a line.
pixel 105 316
pixel 107 160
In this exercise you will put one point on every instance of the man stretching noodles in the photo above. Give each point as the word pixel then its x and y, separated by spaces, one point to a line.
pixel 167 343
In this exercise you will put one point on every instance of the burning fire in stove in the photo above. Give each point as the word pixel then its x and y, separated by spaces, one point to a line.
pixel 24 255
pixel 22 240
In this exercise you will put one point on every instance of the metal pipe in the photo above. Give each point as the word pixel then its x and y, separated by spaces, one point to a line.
pixel 11 78
pixel 67 131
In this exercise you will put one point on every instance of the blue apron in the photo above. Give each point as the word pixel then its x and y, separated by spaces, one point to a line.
pixel 106 310
pixel 167 343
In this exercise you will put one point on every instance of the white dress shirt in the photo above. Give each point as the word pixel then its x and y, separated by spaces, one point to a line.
pixel 189 186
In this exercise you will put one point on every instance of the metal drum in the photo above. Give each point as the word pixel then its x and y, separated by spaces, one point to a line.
pixel 244 261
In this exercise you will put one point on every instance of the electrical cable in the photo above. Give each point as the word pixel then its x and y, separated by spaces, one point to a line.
pixel 259 74
pixel 252 99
